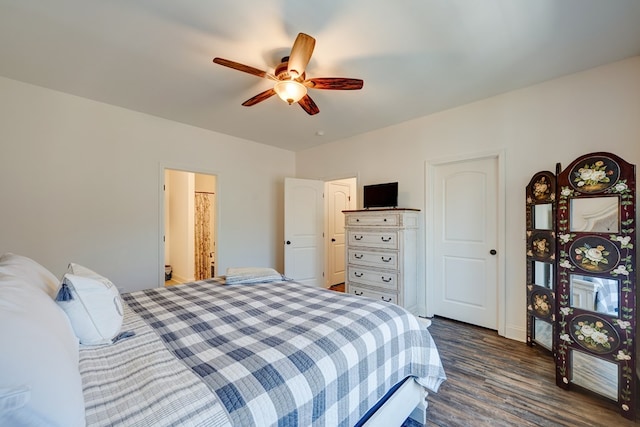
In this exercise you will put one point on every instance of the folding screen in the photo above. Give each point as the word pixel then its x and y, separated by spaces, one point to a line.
pixel 581 275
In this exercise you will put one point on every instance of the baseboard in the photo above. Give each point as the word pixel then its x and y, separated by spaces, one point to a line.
pixel 515 333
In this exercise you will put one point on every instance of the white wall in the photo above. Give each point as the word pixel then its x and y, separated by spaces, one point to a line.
pixel 556 121
pixel 80 181
pixel 181 219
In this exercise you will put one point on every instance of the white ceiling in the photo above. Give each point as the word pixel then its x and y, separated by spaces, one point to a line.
pixel 415 57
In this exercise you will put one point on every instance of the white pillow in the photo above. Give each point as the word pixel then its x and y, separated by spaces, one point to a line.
pixel 29 270
pixel 247 275
pixel 40 382
pixel 93 305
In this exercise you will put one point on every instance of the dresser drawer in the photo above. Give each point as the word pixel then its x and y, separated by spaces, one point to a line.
pixel 387 280
pixel 384 296
pixel 373 259
pixel 367 219
pixel 373 239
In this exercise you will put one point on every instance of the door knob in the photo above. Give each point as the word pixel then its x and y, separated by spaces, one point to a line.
pixel 493 252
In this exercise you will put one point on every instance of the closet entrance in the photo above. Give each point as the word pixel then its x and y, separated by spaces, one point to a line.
pixel 189 226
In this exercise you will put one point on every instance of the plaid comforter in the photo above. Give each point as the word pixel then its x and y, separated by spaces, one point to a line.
pixel 286 354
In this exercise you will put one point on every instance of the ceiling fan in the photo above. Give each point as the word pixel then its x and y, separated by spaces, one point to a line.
pixel 290 79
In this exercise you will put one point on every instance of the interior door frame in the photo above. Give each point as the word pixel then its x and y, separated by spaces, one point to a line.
pixel 353 202
pixel 429 210
pixel 162 166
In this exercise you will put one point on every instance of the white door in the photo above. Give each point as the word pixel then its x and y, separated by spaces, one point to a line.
pixel 303 230
pixel 338 198
pixel 465 241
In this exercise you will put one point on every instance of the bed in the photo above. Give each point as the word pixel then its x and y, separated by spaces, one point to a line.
pixel 243 354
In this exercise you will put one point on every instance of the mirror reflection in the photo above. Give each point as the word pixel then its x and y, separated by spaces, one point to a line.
pixel 543 333
pixel 542 273
pixel 595 374
pixel 596 214
pixel 542 216
pixel 594 294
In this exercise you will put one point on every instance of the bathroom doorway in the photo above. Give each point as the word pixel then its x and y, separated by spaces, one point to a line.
pixel 190 206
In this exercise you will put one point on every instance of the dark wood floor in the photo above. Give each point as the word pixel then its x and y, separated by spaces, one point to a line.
pixel 494 381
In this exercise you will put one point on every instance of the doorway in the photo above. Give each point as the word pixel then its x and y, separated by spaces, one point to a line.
pixel 339 195
pixel 190 249
pixel 464 239
pixel 314 229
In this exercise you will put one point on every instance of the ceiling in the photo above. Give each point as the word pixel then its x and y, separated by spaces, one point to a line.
pixel 415 57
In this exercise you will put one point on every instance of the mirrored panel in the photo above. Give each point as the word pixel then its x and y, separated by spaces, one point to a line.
pixel 542 273
pixel 542 216
pixel 597 215
pixel 594 294
pixel 595 374
pixel 543 333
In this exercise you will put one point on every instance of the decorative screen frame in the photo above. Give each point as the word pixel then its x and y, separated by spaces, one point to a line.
pixel 541 251
pixel 603 255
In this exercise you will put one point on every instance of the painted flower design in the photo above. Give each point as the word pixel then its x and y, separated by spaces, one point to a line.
pixel 541 246
pixel 622 355
pixel 566 338
pixel 624 241
pixel 594 174
pixel 564 238
pixel 621 269
pixel 565 263
pixel 591 255
pixel 623 323
pixel 621 187
pixel 541 305
pixel 541 188
pixel 566 192
pixel 565 311
pixel 593 334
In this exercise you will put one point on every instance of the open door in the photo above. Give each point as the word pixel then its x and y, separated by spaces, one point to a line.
pixel 303 230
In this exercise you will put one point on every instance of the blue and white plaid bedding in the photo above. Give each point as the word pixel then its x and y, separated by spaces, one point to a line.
pixel 286 354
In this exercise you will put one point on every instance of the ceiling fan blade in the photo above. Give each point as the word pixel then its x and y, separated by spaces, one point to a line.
pixel 308 105
pixel 244 68
pixel 334 83
pixel 300 55
pixel 259 97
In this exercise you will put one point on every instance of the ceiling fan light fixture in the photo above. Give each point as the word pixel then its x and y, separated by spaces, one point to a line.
pixel 290 91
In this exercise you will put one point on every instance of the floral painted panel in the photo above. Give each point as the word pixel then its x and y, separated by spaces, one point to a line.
pixel 594 333
pixel 594 254
pixel 595 175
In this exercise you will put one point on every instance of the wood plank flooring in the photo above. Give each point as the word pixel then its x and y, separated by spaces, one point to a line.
pixel 494 381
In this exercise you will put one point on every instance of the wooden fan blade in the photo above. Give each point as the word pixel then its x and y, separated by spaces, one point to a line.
pixel 300 55
pixel 259 97
pixel 308 105
pixel 334 83
pixel 244 68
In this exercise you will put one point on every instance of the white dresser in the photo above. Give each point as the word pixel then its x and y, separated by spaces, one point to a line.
pixel 381 255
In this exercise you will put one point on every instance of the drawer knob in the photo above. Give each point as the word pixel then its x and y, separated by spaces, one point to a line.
pixel 386 279
pixel 358 293
pixel 388 239
pixel 385 259
pixel 357 237
pixel 358 274
pixel 386 299
pixel 358 256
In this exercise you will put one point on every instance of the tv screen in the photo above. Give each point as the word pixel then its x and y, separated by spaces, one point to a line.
pixel 380 195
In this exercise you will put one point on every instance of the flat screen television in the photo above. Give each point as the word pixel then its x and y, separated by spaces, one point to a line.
pixel 380 195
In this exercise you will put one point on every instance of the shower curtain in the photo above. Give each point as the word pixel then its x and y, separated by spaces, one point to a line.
pixel 202 236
